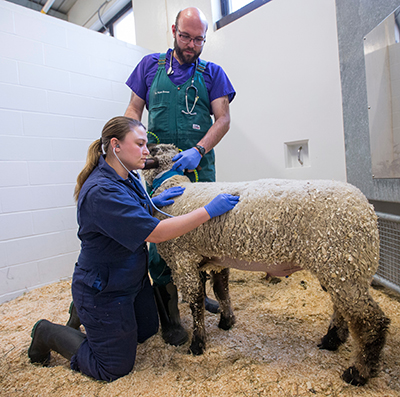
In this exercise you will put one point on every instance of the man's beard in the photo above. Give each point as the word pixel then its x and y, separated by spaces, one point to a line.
pixel 185 58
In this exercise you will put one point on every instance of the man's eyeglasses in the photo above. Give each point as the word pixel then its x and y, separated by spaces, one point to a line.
pixel 186 39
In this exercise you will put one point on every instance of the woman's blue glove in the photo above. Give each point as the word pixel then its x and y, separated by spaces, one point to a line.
pixel 164 198
pixel 221 204
pixel 187 160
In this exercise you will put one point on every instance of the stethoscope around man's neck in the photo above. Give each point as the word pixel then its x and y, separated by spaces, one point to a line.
pixel 170 72
pixel 130 173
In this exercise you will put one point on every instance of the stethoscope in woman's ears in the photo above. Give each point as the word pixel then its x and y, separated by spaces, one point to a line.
pixel 170 72
pixel 130 173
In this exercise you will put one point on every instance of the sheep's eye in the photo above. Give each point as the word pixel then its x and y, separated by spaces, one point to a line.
pixel 152 149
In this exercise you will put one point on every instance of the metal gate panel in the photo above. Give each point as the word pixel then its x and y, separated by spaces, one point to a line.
pixel 388 273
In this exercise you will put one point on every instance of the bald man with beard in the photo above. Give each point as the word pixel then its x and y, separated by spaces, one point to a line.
pixel 181 92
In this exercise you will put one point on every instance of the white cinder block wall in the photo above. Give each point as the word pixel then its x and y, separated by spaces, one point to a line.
pixel 59 84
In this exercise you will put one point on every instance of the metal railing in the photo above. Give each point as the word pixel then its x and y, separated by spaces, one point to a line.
pixel 388 273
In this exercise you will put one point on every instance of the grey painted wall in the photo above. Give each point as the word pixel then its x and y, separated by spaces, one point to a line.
pixel 355 19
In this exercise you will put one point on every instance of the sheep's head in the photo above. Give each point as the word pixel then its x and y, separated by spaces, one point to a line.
pixel 159 160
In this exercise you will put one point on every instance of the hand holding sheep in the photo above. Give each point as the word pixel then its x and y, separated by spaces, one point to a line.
pixel 221 204
pixel 188 160
pixel 216 207
pixel 165 197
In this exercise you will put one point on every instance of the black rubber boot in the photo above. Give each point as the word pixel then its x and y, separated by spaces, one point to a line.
pixel 210 305
pixel 47 336
pixel 167 304
pixel 73 321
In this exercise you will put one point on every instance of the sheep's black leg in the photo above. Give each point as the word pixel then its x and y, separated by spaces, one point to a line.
pixel 337 334
pixel 198 344
pixel 221 291
pixel 368 326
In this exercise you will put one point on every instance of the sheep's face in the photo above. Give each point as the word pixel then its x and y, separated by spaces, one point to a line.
pixel 164 154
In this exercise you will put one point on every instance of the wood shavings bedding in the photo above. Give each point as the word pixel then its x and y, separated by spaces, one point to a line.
pixel 271 351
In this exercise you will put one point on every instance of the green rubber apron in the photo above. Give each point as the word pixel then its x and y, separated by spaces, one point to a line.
pixel 169 124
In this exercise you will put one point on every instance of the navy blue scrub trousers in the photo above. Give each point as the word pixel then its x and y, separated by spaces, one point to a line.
pixel 114 325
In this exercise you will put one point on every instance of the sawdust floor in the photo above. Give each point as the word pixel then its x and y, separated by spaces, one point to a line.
pixel 271 351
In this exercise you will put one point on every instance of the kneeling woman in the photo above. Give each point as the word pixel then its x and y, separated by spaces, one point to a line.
pixel 110 287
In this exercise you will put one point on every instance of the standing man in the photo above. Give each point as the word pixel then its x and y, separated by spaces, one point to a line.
pixel 181 92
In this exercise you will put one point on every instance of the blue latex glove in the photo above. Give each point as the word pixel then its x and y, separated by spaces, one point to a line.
pixel 164 198
pixel 221 204
pixel 187 160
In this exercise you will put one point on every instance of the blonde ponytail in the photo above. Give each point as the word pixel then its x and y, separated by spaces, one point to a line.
pixel 117 127
pixel 92 160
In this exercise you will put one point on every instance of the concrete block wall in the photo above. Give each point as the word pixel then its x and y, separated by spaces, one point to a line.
pixel 59 84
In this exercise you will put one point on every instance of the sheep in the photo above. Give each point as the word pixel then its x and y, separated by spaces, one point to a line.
pixel 279 227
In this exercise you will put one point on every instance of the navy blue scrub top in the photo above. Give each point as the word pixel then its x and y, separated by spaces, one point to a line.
pixel 114 217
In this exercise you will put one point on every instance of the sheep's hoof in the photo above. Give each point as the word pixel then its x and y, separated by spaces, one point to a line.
pixel 331 340
pixel 226 323
pixel 197 347
pixel 353 377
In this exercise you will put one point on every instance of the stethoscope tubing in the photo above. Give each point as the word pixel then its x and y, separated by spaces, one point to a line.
pixel 190 112
pixel 196 91
pixel 130 173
